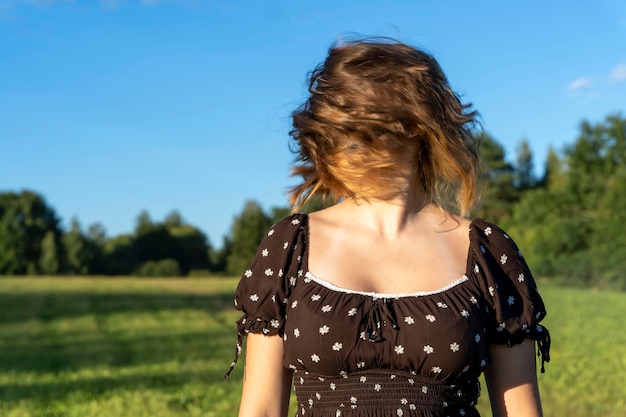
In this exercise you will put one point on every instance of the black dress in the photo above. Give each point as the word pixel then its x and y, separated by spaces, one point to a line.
pixel 366 354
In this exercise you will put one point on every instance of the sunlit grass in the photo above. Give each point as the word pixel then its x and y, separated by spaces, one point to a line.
pixel 146 347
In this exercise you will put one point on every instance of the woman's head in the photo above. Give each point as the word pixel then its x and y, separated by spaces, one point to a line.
pixel 380 119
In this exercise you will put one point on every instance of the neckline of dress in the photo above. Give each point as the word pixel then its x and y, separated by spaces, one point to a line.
pixel 375 294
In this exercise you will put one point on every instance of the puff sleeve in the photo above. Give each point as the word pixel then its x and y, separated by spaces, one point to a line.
pixel 263 291
pixel 514 306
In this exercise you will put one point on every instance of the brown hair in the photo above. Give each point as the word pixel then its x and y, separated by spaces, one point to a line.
pixel 378 112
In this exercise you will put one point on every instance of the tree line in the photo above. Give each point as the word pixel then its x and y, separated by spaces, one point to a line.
pixel 570 221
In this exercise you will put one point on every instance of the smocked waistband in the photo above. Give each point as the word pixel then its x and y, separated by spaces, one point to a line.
pixel 381 389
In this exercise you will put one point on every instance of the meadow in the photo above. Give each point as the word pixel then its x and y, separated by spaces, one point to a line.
pixel 95 347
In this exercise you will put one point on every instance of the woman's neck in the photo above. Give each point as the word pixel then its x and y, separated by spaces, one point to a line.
pixel 389 218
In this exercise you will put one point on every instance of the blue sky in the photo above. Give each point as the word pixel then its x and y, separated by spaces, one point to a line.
pixel 111 107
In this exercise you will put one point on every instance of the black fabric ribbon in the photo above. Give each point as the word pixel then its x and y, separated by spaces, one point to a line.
pixel 380 309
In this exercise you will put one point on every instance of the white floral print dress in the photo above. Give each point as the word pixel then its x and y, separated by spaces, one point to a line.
pixel 357 354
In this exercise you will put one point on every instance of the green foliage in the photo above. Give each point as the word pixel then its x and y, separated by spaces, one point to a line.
pixel 496 180
pixel 162 268
pixel 248 230
pixel 81 252
pixel 25 219
pixel 608 245
pixel 49 259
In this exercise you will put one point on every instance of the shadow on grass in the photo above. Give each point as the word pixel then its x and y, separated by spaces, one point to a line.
pixel 92 388
pixel 44 306
pixel 110 352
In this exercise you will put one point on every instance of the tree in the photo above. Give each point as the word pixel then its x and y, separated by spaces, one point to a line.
pixel 496 181
pixel 193 252
pixel 81 252
pixel 248 230
pixel 609 237
pixel 49 259
pixel 25 219
pixel 144 223
pixel 524 175
pixel 173 219
pixel 118 255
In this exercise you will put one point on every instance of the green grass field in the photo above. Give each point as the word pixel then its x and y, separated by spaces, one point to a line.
pixel 159 347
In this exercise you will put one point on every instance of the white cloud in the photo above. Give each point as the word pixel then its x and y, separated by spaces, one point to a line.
pixel 619 73
pixel 579 83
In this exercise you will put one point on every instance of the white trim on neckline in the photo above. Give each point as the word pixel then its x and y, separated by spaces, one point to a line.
pixel 374 294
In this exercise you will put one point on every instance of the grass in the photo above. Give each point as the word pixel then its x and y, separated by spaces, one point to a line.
pixel 159 347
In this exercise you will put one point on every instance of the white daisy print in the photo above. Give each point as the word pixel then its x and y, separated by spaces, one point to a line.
pixel 360 365
pixel 442 305
pixel 473 300
pixel 492 291
pixel 363 379
pixel 377 387
pixel 503 259
pixel 425 389
pixel 465 313
pixel 337 346
pixel 352 312
pixel 333 386
pixel 411 381
pixel 404 401
pixel 436 370
pixel 315 297
pixel 285 245
pixel 269 272
pixel 454 347
pixel 520 277
pixel 511 300
pixel 275 323
pixel 326 308
pixel 294 304
pixel 265 252
pixel 487 231
pixel 248 273
pixel 295 221
pixel 324 329
pixel 315 358
pixel 353 400
pixel 430 318
pixel 476 269
pixel 477 338
pixel 409 320
pixel 271 232
pixel 428 349
pixel 412 407
pixel 254 297
pixel 296 332
pixel 399 349
pixel 399 412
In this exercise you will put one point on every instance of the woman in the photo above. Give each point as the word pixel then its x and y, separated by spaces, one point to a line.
pixel 387 303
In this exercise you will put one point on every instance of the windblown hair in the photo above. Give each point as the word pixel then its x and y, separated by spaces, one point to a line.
pixel 379 114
